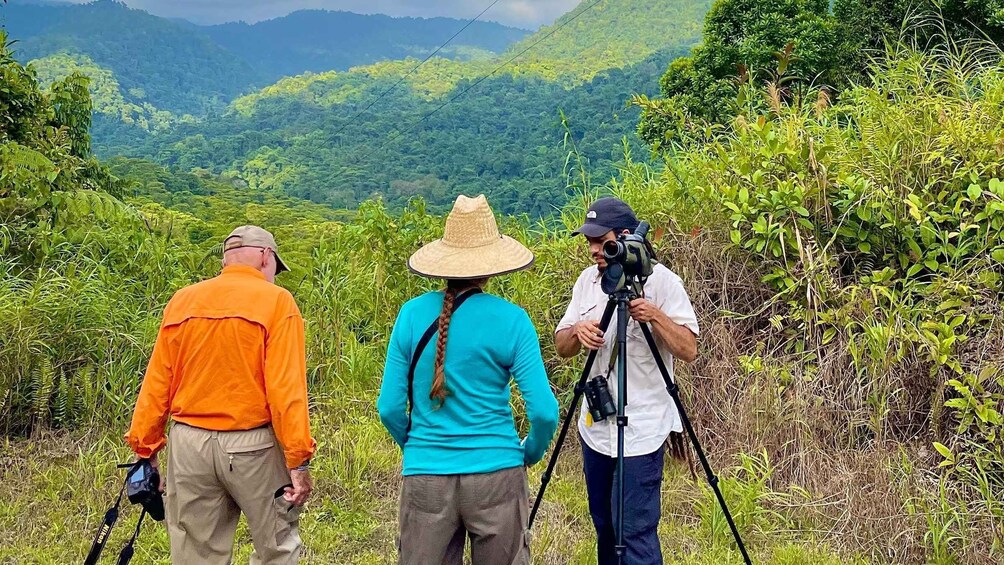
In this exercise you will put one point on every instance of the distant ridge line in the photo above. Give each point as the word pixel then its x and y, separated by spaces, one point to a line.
pixel 412 71
pixel 487 76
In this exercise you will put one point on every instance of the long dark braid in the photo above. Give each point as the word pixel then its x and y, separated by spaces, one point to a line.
pixel 439 392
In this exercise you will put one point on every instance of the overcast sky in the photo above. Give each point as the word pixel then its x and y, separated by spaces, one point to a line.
pixel 520 13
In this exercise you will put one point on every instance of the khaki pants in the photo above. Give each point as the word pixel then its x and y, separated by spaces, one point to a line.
pixel 214 476
pixel 439 511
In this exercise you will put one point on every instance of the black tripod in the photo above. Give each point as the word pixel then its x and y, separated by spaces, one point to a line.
pixel 619 300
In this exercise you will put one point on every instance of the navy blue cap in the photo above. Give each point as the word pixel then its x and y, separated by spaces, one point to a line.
pixel 607 214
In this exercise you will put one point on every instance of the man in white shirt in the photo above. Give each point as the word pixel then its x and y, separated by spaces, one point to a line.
pixel 651 414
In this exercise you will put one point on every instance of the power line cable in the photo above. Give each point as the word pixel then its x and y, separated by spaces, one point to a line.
pixel 486 77
pixel 413 70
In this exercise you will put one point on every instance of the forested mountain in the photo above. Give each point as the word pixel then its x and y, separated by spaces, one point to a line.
pixel 605 34
pixel 154 60
pixel 317 40
pixel 183 68
pixel 330 138
pixel 504 138
pixel 116 108
pixel 330 135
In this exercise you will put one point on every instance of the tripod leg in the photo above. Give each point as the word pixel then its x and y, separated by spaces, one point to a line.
pixel 572 410
pixel 674 392
pixel 622 420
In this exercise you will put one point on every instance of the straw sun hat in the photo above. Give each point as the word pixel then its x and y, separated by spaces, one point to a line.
pixel 471 247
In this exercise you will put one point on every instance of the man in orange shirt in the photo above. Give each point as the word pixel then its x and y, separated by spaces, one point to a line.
pixel 229 368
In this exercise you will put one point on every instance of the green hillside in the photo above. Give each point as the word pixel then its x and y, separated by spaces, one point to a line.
pixel 156 61
pixel 112 104
pixel 319 41
pixel 183 68
pixel 605 34
pixel 305 137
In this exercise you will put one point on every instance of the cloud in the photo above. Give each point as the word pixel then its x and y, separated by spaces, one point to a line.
pixel 521 13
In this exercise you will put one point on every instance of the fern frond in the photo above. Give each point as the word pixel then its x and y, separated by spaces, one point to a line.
pixel 42 391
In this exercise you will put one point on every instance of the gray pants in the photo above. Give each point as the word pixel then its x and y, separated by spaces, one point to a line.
pixel 214 476
pixel 438 513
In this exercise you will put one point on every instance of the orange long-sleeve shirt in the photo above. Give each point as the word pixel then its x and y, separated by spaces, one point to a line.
pixel 230 355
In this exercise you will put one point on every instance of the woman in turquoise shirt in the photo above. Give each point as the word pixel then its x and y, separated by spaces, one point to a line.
pixel 464 463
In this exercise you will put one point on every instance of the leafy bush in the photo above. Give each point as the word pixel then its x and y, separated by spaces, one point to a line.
pixel 878 224
pixel 792 44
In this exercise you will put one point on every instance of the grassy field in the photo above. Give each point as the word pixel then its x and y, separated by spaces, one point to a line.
pixel 56 488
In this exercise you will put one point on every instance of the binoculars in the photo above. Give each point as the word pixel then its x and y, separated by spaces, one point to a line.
pixel 598 399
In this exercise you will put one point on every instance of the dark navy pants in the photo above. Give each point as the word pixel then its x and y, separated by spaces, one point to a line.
pixel 642 505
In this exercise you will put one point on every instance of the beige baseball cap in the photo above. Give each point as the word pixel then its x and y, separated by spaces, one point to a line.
pixel 254 236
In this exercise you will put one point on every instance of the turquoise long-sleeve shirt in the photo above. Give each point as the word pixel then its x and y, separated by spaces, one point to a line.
pixel 490 342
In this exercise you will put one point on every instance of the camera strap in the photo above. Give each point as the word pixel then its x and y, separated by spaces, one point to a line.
pixel 613 359
pixel 424 341
pixel 111 516
pixel 125 556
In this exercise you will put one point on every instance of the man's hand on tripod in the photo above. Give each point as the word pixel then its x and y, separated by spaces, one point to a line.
pixel 644 310
pixel 589 333
pixel 682 342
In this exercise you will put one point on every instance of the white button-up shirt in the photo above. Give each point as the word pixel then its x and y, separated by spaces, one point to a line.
pixel 650 410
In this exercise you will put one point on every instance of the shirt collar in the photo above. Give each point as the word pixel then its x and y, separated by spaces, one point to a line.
pixel 597 275
pixel 242 270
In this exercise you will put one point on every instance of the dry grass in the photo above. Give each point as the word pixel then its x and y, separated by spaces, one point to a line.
pixel 864 479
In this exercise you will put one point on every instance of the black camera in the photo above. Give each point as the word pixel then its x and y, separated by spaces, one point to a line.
pixel 143 487
pixel 599 400
pixel 629 257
